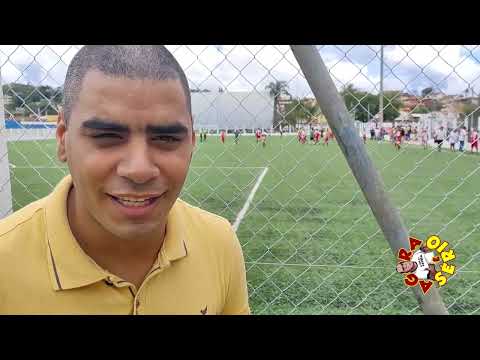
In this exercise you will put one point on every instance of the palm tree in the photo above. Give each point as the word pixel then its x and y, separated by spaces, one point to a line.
pixel 277 89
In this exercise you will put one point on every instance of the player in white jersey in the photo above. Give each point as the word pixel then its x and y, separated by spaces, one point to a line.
pixel 422 264
pixel 453 139
pixel 440 137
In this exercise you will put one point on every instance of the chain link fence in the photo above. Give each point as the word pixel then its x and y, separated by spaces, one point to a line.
pixel 310 242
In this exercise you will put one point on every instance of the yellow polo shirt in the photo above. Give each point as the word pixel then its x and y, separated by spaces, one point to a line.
pixel 199 270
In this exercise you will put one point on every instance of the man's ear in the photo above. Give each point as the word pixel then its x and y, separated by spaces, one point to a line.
pixel 61 135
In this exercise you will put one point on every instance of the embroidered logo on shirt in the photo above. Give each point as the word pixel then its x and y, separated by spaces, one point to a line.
pixel 204 311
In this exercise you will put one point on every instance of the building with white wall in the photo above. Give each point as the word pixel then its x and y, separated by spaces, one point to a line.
pixel 232 110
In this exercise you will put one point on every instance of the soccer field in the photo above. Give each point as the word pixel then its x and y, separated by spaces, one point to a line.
pixel 310 242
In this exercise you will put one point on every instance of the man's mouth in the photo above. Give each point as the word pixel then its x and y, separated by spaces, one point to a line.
pixel 129 201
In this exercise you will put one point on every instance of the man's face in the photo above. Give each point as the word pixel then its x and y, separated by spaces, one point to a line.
pixel 128 145
pixel 405 266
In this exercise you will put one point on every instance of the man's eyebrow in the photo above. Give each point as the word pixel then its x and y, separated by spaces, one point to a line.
pixel 171 129
pixel 104 125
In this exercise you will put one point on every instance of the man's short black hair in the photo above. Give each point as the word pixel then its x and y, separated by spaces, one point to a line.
pixel 153 62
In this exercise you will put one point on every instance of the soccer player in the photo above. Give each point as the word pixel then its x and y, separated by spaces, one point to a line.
pixel 316 136
pixel 303 136
pixel 326 139
pixel 222 136
pixel 424 138
pixel 258 135
pixel 113 237
pixel 264 138
pixel 461 137
pixel 474 141
pixel 364 135
pixel 237 134
pixel 452 139
pixel 397 138
pixel 440 137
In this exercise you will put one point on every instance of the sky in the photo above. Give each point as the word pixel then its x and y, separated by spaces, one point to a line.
pixel 450 69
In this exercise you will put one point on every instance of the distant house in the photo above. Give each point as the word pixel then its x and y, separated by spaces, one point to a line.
pixel 435 96
pixel 7 99
pixel 409 102
pixel 284 100
pixel 467 100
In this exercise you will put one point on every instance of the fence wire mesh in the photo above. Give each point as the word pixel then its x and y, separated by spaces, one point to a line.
pixel 310 242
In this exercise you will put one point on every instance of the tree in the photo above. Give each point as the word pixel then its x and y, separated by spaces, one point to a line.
pixel 427 91
pixel 364 106
pixel 392 103
pixel 358 103
pixel 301 109
pixel 276 89
pixel 310 110
pixel 43 99
pixel 293 112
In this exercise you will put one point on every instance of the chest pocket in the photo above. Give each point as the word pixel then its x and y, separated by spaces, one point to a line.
pixel 176 293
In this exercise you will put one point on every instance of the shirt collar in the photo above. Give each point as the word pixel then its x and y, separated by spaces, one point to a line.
pixel 70 267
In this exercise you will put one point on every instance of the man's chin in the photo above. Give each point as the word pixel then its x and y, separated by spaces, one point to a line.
pixel 135 232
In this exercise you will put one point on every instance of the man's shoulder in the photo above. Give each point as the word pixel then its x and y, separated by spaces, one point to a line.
pixel 22 224
pixel 21 218
pixel 202 218
pixel 209 230
pixel 20 238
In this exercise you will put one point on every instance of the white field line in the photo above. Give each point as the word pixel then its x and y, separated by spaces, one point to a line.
pixel 244 210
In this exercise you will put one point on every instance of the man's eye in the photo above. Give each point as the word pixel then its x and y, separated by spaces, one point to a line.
pixel 165 139
pixel 106 136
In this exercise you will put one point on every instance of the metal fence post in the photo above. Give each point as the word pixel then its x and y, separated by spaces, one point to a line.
pixel 5 187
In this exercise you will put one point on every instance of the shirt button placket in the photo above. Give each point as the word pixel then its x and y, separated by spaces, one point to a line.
pixel 137 306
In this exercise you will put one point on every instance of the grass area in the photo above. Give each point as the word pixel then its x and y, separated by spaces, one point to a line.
pixel 310 241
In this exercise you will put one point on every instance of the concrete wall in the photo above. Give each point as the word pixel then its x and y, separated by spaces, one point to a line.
pixel 232 110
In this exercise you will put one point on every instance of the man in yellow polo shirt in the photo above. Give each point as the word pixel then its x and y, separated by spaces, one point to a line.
pixel 113 237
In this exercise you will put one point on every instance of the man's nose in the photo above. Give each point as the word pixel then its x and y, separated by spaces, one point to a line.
pixel 137 164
